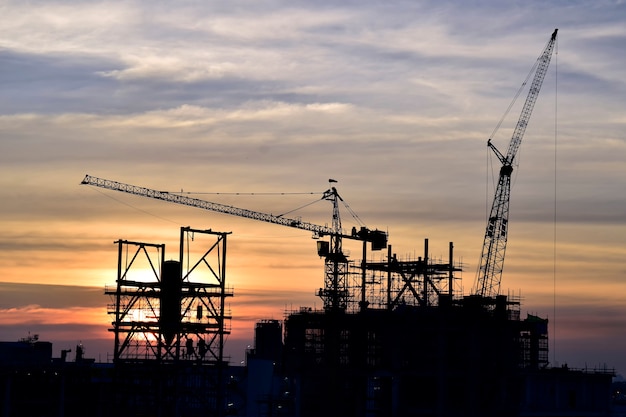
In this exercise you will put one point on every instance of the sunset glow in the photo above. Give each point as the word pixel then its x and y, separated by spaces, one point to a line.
pixel 258 105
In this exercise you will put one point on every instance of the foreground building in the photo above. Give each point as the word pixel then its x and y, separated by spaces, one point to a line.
pixel 460 358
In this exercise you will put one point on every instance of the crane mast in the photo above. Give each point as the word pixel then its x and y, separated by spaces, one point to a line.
pixel 335 291
pixel 489 273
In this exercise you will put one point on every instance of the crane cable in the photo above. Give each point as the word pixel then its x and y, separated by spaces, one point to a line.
pixel 255 194
pixel 236 193
pixel 519 91
pixel 554 254
pixel 134 207
pixel 352 213
pixel 489 164
pixel 298 208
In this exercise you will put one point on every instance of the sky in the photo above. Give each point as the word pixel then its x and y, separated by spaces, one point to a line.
pixel 263 102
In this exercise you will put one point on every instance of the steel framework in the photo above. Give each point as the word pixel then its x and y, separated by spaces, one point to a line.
pixel 171 311
pixel 398 282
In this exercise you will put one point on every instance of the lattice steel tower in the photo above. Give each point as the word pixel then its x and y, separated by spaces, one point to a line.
pixel 489 274
pixel 171 311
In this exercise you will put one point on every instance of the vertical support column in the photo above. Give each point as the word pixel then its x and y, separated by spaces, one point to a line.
pixel 118 297
pixel 160 345
pixel 136 295
pixel 221 394
pixel 451 270
pixel 425 295
pixel 389 277
pixel 222 299
pixel 204 291
pixel 363 304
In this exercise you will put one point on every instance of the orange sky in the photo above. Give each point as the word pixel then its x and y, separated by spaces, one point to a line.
pixel 275 269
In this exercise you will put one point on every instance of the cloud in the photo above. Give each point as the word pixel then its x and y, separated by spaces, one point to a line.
pixel 17 297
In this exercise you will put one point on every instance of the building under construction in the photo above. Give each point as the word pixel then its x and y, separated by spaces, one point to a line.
pixel 419 348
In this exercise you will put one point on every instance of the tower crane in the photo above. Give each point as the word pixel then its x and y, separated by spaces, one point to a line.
pixel 494 246
pixel 335 291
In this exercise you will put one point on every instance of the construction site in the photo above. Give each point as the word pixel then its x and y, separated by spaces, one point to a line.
pixel 395 337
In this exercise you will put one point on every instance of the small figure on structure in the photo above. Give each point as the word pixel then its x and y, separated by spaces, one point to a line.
pixel 189 346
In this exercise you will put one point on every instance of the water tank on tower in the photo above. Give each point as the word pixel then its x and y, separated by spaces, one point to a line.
pixel 171 291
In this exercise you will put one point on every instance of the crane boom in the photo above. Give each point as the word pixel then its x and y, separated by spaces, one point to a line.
pixel 364 234
pixel 489 273
pixel 206 205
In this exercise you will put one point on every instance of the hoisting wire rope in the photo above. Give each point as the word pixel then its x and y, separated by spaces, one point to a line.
pixel 353 214
pixel 298 208
pixel 495 131
pixel 214 193
pixel 134 207
pixel 181 192
pixel 554 255
pixel 519 91
pixel 259 194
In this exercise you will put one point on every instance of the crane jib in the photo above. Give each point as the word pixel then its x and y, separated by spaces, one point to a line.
pixel 376 237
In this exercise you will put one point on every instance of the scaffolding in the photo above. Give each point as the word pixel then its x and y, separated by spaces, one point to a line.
pixel 170 311
pixel 395 282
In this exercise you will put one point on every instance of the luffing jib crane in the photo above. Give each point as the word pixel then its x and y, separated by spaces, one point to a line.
pixel 335 291
pixel 494 246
